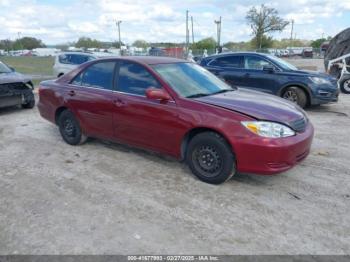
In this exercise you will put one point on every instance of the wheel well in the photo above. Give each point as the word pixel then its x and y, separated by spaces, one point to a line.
pixel 192 133
pixel 302 88
pixel 58 112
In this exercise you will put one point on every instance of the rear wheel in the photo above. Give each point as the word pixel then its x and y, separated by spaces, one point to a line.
pixel 345 86
pixel 296 95
pixel 70 129
pixel 210 158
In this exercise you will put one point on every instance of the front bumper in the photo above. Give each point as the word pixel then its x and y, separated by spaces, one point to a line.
pixel 322 94
pixel 270 156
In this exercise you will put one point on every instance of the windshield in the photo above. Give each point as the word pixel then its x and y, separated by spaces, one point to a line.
pixel 282 63
pixel 191 80
pixel 4 68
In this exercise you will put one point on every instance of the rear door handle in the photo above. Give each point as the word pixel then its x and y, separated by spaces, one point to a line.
pixel 71 93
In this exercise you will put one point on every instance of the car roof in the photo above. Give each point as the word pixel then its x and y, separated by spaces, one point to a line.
pixel 149 60
pixel 235 53
pixel 76 53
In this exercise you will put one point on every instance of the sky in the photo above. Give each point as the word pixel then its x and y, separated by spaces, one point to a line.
pixel 57 22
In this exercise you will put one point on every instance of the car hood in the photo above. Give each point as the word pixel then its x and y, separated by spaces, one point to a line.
pixel 311 73
pixel 257 105
pixel 13 77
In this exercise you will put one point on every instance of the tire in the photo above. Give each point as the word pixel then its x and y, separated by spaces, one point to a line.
pixel 210 158
pixel 345 86
pixel 296 95
pixel 30 104
pixel 70 129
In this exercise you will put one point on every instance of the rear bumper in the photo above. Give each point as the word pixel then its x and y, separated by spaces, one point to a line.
pixel 270 156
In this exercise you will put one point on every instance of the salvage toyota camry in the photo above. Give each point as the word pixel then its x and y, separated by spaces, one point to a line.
pixel 178 108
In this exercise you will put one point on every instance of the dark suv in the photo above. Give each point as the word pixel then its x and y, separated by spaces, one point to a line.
pixel 273 75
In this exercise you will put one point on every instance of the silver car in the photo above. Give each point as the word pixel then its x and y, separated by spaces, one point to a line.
pixel 68 61
pixel 15 88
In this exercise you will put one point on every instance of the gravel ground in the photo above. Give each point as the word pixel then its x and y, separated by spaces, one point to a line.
pixel 104 198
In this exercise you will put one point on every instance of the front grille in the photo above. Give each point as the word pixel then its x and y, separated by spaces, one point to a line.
pixel 14 86
pixel 299 125
pixel 10 89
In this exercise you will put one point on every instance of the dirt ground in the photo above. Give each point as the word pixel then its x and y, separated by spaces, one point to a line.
pixel 307 63
pixel 103 198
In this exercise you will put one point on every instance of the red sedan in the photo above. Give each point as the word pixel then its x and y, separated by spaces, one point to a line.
pixel 178 108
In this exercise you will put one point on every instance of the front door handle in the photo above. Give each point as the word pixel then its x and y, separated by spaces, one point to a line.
pixel 119 103
pixel 71 93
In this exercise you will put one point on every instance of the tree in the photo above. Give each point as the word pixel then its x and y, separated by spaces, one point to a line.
pixel 264 20
pixel 86 42
pixel 206 43
pixel 29 43
pixel 263 42
pixel 6 44
pixel 238 45
pixel 140 44
pixel 318 42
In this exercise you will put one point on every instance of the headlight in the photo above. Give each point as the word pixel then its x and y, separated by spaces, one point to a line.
pixel 319 80
pixel 268 129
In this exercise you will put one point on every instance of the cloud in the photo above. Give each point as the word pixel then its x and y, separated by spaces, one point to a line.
pixel 157 20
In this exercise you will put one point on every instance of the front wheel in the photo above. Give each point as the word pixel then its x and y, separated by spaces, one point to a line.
pixel 210 158
pixel 296 95
pixel 345 86
pixel 70 129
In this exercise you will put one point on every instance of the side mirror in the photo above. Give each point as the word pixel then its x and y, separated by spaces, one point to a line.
pixel 12 69
pixel 157 94
pixel 269 68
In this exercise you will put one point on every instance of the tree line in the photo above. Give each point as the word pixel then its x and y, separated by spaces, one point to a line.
pixel 28 43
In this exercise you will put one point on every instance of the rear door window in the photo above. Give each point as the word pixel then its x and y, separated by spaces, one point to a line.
pixel 228 61
pixel 99 75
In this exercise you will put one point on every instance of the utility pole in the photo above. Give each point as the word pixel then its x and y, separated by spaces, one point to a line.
pixel 20 42
pixel 192 29
pixel 187 35
pixel 120 41
pixel 291 32
pixel 291 37
pixel 218 32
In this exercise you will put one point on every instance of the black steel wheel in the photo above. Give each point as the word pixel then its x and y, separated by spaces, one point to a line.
pixel 70 129
pixel 210 158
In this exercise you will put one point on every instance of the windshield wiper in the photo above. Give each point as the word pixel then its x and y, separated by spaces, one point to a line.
pixel 222 91
pixel 198 95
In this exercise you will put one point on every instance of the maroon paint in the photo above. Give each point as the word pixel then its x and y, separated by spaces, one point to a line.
pixel 162 125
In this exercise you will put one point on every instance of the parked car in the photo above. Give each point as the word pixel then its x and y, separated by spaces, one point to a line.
pixel 270 74
pixel 178 108
pixel 308 52
pixel 15 88
pixel 68 61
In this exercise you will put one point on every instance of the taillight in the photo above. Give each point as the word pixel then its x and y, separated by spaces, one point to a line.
pixel 40 90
